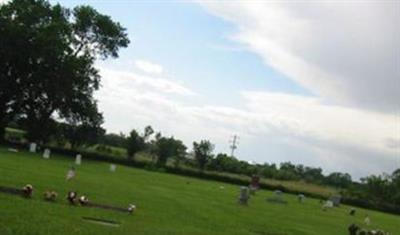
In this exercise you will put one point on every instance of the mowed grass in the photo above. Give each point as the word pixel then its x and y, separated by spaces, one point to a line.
pixel 166 204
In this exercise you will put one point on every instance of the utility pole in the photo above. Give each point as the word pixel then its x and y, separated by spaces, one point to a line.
pixel 234 143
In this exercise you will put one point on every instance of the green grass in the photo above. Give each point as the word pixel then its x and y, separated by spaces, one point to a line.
pixel 166 204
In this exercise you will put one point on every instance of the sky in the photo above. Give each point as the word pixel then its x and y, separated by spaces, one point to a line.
pixel 312 82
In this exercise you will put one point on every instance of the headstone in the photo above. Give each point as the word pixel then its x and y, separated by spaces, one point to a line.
pixel 13 150
pixel 71 174
pixel 278 194
pixel 78 159
pixel 32 147
pixel 335 199
pixel 329 204
pixel 277 198
pixel 113 167
pixel 367 220
pixel 46 154
pixel 243 195
pixel 301 198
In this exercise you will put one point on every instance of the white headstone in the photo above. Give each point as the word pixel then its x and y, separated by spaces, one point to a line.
pixel 78 159
pixel 46 154
pixel 367 220
pixel 329 204
pixel 71 174
pixel 113 167
pixel 32 147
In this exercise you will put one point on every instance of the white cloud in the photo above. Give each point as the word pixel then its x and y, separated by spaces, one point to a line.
pixel 4 2
pixel 347 53
pixel 274 127
pixel 133 82
pixel 149 67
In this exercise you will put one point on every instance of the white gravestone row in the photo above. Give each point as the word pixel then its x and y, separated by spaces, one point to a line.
pixel 78 159
pixel 46 154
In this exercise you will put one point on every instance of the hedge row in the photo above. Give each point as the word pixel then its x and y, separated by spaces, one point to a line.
pixel 389 208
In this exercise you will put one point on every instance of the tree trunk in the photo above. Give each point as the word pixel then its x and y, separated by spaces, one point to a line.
pixel 2 133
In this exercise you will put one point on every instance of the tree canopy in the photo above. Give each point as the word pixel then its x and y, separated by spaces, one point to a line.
pixel 202 152
pixel 47 54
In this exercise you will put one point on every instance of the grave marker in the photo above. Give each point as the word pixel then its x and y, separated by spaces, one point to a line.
pixel 78 159
pixel 113 167
pixel 13 150
pixel 46 153
pixel 70 174
pixel 335 199
pixel 367 220
pixel 32 147
pixel 277 198
pixel 244 195
pixel 301 198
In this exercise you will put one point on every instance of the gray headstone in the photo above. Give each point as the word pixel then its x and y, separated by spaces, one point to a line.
pixel 335 199
pixel 78 159
pixel 46 154
pixel 244 195
pixel 278 194
pixel 32 147
pixel 301 197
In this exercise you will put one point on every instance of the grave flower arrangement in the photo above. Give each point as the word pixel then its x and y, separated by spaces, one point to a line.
pixel 83 200
pixel 27 191
pixel 71 197
pixel 131 208
pixel 50 196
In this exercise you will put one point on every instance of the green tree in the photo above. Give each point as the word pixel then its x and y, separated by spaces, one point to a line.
pixel 339 179
pixel 148 131
pixel 135 143
pixel 79 135
pixel 203 153
pixel 117 140
pixel 48 53
pixel 167 147
pixel 180 153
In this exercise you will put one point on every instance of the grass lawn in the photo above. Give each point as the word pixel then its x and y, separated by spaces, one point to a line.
pixel 166 204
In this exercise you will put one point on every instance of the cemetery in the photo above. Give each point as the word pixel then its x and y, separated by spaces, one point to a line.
pixel 69 166
pixel 106 199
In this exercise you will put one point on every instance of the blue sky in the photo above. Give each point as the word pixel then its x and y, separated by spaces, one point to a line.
pixel 311 83
pixel 193 46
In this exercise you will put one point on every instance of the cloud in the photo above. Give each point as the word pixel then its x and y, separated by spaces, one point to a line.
pixel 134 82
pixel 273 127
pixel 149 67
pixel 347 54
pixel 4 2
